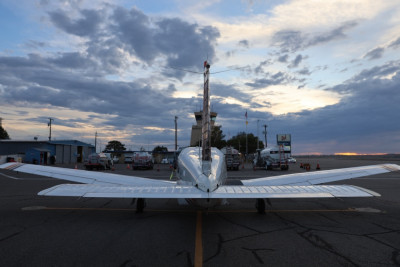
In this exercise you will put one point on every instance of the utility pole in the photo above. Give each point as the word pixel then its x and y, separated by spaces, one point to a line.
pixel 258 145
pixel 176 133
pixel 265 134
pixel 49 125
pixel 95 143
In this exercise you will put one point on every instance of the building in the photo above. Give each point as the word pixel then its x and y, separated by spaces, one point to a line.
pixel 45 152
pixel 196 129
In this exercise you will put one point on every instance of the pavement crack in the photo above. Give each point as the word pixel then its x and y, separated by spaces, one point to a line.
pixel 106 203
pixel 128 263
pixel 188 257
pixel 15 233
pixel 321 243
pixel 255 254
pixel 219 248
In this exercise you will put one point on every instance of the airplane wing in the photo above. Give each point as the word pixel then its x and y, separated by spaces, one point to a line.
pixel 86 177
pixel 319 177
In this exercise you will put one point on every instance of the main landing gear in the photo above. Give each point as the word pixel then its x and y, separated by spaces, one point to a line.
pixel 260 205
pixel 140 204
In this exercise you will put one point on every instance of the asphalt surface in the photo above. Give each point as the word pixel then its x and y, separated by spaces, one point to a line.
pixel 63 231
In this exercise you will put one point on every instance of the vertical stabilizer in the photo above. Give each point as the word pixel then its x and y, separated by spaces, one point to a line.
pixel 206 127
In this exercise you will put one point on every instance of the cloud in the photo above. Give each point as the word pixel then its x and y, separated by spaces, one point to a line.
pixel 274 79
pixel 283 58
pixel 288 40
pixel 335 34
pixel 295 63
pixel 368 110
pixel 304 71
pixel 244 43
pixel 85 26
pixel 291 41
pixel 129 31
pixel 395 44
pixel 375 53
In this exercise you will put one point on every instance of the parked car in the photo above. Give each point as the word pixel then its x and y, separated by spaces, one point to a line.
pixel 128 159
pixel 291 160
pixel 164 161
pixel 115 159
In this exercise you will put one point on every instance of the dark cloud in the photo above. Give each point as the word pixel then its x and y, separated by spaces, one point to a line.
pixel 260 68
pixel 375 53
pixel 274 79
pixel 335 34
pixel 85 26
pixel 244 43
pixel 73 60
pixel 183 44
pixel 304 71
pixel 291 41
pixel 295 62
pixel 111 34
pixel 283 58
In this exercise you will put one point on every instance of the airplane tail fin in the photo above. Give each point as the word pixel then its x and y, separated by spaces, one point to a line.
pixel 206 126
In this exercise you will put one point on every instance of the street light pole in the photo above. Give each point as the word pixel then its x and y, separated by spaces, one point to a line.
pixel 265 134
pixel 176 133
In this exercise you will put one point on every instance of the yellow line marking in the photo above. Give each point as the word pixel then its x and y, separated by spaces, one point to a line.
pixel 198 253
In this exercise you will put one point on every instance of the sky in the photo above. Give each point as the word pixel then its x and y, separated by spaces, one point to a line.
pixel 326 72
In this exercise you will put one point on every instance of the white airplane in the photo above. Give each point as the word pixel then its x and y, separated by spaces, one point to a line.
pixel 201 176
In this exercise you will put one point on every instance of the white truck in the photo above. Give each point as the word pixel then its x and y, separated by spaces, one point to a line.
pixel 98 161
pixel 142 160
pixel 232 158
pixel 273 157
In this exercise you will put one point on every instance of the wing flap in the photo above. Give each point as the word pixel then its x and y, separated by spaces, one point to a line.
pixel 316 191
pixel 319 177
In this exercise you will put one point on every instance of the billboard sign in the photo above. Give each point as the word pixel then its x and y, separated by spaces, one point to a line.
pixel 286 141
pixel 283 138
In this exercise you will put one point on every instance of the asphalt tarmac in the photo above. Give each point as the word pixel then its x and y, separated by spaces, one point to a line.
pixel 64 231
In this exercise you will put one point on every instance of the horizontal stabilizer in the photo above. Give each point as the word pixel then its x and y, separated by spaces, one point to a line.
pixel 316 191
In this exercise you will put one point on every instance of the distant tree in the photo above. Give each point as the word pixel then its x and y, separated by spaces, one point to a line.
pixel 159 149
pixel 3 133
pixel 239 143
pixel 217 138
pixel 115 146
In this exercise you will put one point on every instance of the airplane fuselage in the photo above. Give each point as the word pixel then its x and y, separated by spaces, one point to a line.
pixel 190 172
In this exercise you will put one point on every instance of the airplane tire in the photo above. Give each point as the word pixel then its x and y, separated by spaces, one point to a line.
pixel 140 204
pixel 260 205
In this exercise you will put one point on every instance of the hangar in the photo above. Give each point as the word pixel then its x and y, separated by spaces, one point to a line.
pixel 45 152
